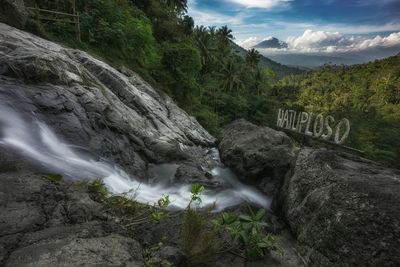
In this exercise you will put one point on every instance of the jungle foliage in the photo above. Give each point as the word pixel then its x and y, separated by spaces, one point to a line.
pixel 203 71
pixel 368 95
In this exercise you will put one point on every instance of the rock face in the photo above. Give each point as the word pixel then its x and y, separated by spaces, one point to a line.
pixel 43 223
pixel 344 210
pixel 117 116
pixel 257 153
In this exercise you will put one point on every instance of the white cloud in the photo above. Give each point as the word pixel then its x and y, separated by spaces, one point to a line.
pixel 267 4
pixel 392 40
pixel 252 41
pixel 330 42
pixel 322 41
pixel 315 40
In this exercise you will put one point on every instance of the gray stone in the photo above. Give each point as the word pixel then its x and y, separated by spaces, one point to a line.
pixel 344 210
pixel 192 173
pixel 170 254
pixel 112 250
pixel 43 223
pixel 258 154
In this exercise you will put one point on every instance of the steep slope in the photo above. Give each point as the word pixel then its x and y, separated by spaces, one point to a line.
pixel 281 70
pixel 88 103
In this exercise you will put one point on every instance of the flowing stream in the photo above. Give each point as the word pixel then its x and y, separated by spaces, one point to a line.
pixel 34 140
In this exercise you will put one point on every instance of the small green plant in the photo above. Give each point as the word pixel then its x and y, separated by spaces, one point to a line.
pixel 98 191
pixel 196 191
pixel 198 238
pixel 123 205
pixel 126 207
pixel 249 230
pixel 159 214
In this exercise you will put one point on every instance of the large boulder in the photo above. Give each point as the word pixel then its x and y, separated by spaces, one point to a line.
pixel 344 210
pixel 115 115
pixel 257 153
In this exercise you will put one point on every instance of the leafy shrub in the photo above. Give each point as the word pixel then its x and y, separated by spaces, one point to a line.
pixel 98 191
pixel 250 231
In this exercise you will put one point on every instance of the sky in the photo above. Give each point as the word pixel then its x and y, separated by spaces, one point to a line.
pixel 324 26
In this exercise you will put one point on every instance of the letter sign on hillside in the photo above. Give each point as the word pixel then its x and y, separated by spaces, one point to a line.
pixel 315 125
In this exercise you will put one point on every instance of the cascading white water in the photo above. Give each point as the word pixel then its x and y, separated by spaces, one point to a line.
pixel 34 140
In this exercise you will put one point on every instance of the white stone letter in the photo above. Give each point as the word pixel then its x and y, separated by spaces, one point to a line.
pixel 328 128
pixel 308 132
pixel 279 122
pixel 318 123
pixel 303 120
pixel 341 140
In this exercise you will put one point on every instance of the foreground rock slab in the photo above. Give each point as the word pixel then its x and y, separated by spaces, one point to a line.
pixel 344 210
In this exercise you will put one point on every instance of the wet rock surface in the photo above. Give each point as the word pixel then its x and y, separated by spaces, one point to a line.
pixel 46 222
pixel 117 116
pixel 43 223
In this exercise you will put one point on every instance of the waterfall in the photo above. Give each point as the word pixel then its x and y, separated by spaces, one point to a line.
pixel 34 140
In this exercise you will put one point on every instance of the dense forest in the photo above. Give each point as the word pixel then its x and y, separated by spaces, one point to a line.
pixel 201 69
pixel 368 95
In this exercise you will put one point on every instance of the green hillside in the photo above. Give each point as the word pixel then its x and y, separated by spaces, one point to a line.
pixel 368 95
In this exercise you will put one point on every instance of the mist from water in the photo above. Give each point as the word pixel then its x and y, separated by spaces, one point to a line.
pixel 34 140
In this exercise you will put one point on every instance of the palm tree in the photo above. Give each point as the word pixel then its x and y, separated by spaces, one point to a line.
pixel 178 5
pixel 253 58
pixel 258 80
pixel 205 44
pixel 212 30
pixel 231 76
pixel 224 41
pixel 225 33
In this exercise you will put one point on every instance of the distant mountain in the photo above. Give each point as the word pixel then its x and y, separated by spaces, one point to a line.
pixel 272 42
pixel 281 70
